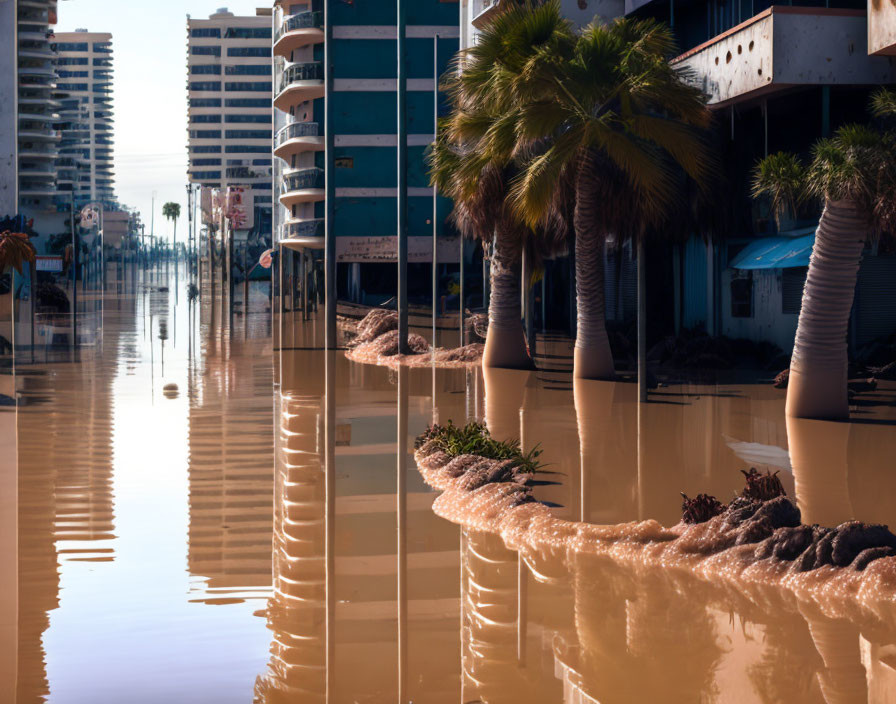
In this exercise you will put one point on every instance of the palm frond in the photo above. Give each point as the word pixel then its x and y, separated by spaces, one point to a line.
pixel 782 177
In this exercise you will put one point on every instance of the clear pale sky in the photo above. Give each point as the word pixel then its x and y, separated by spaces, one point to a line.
pixel 149 40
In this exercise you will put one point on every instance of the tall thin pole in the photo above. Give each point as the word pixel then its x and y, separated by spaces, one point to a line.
pixel 75 264
pixel 461 318
pixel 435 227
pixel 189 230
pixel 401 520
pixel 642 325
pixel 330 183
pixel 402 181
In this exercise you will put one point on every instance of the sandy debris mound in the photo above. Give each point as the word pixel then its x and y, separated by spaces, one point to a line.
pixel 757 541
pixel 374 324
pixel 376 342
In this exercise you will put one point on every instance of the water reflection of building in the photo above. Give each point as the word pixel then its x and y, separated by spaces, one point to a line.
pixel 297 608
pixel 231 483
pixel 65 494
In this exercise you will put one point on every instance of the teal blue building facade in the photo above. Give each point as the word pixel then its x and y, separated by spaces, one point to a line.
pixel 364 101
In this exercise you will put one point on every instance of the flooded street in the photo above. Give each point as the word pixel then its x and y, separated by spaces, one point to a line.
pixel 173 540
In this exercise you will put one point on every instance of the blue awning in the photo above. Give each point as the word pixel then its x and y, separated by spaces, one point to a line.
pixel 776 253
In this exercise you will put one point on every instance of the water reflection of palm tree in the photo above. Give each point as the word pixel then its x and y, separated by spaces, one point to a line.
pixel 606 446
pixel 819 457
pixel 639 640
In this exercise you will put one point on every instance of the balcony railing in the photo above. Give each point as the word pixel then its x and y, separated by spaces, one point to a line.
pixel 303 20
pixel 306 228
pixel 311 71
pixel 297 129
pixel 305 178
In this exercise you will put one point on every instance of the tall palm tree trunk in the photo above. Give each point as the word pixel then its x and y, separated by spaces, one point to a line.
pixel 592 358
pixel 818 368
pixel 505 344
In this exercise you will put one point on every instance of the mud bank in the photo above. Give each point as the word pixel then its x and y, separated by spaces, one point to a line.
pixel 758 549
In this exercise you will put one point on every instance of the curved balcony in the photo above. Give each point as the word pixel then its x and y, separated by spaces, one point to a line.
pixel 302 234
pixel 34 153
pixel 302 186
pixel 298 83
pixel 297 31
pixel 296 138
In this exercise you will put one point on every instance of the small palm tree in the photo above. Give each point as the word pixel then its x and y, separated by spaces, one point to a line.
pixel 171 211
pixel 622 127
pixel 854 175
pixel 473 161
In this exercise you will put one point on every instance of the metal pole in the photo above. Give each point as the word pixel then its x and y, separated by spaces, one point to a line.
pixel 461 319
pixel 330 182
pixel 402 181
pixel 642 326
pixel 435 134
pixel 401 510
pixel 304 290
pixel 75 264
pixel 189 229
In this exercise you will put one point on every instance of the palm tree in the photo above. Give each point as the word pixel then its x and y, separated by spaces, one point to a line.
pixel 853 174
pixel 622 127
pixel 472 160
pixel 171 211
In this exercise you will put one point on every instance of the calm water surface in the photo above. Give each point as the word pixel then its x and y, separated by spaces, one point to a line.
pixel 172 542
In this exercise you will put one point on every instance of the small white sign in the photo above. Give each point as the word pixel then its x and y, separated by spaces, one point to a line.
pixel 47 263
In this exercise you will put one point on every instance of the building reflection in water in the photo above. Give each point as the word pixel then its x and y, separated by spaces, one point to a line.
pixel 231 445
pixel 65 498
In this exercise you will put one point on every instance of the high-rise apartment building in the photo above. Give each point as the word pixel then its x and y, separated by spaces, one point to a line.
pixel 84 70
pixel 229 91
pixel 364 51
pixel 37 137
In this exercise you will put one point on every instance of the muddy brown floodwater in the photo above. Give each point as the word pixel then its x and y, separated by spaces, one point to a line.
pixel 263 534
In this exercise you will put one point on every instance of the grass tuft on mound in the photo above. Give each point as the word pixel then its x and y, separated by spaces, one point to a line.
pixel 474 439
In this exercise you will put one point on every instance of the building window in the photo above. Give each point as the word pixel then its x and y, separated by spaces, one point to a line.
pixel 262 51
pixel 248 70
pixel 792 282
pixel 205 102
pixel 344 162
pixel 206 32
pixel 205 134
pixel 246 149
pixel 206 162
pixel 205 118
pixel 261 162
pixel 206 149
pixel 214 69
pixel 205 50
pixel 246 86
pixel 742 295
pixel 71 46
pixel 72 74
pixel 247 33
pixel 205 85
pixel 264 119
pixel 247 134
pixel 205 174
pixel 247 103
pixel 71 61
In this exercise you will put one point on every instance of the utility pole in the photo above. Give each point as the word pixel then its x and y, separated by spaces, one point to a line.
pixel 402 183
pixel 435 228
pixel 330 184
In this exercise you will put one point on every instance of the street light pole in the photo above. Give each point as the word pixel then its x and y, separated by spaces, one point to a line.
pixel 330 183
pixel 402 182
